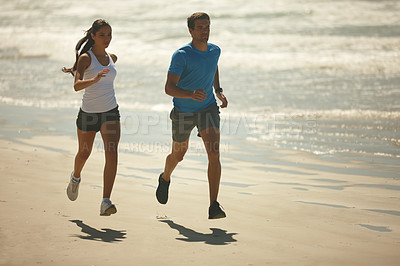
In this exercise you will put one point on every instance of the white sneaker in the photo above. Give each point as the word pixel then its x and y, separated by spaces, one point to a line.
pixel 73 187
pixel 107 208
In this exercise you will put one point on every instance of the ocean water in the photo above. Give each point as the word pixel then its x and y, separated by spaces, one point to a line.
pixel 317 76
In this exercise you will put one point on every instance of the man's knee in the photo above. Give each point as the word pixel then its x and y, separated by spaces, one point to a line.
pixel 212 151
pixel 213 155
pixel 179 150
pixel 178 155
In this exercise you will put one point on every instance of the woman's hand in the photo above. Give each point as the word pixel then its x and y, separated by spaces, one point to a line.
pixel 101 74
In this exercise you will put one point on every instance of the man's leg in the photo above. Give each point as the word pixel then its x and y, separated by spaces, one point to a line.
pixel 182 125
pixel 178 152
pixel 211 138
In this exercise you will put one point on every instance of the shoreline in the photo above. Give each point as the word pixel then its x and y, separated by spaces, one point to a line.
pixel 149 131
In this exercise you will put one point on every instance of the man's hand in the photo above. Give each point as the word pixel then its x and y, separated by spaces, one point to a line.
pixel 199 95
pixel 223 99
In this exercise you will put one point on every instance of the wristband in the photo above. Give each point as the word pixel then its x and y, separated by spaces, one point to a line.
pixel 219 90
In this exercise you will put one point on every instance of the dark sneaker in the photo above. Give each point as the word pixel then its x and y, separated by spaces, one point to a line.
pixel 162 190
pixel 215 211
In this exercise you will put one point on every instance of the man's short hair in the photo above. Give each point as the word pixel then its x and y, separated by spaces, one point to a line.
pixel 198 15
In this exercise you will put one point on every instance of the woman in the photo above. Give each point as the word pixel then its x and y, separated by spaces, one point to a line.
pixel 94 72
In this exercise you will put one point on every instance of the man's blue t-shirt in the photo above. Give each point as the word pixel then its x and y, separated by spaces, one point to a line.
pixel 196 70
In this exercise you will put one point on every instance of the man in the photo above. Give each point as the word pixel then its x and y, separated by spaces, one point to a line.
pixel 192 74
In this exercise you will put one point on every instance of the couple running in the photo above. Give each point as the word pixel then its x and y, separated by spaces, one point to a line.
pixel 192 75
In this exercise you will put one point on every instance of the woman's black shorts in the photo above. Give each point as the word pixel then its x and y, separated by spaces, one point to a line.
pixel 93 121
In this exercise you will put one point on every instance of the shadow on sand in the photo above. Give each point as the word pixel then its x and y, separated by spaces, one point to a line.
pixel 105 234
pixel 217 237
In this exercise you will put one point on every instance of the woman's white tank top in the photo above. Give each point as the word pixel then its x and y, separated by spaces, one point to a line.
pixel 99 97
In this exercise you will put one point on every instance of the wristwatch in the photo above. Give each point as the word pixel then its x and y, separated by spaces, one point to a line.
pixel 219 90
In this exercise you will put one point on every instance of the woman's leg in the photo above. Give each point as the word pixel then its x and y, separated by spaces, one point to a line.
pixel 85 140
pixel 110 132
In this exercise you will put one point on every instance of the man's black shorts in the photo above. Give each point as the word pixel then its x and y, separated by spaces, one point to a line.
pixel 183 123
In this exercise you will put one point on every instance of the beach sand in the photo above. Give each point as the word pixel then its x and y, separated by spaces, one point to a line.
pixel 294 209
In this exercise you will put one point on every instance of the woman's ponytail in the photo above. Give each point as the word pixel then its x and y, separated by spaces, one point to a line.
pixel 88 41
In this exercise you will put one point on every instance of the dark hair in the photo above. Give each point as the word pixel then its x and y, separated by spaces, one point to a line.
pixel 96 26
pixel 198 15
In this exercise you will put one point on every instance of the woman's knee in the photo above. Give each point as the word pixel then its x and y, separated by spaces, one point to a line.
pixel 84 154
pixel 111 146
